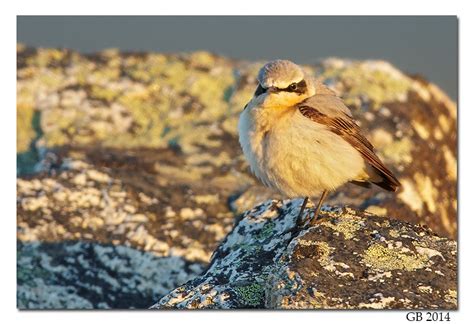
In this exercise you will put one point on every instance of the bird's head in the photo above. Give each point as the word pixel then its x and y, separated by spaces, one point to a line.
pixel 281 84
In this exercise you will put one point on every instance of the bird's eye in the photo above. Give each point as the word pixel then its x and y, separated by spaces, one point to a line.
pixel 293 87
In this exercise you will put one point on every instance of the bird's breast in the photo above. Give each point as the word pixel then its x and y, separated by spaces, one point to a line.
pixel 295 155
pixel 253 131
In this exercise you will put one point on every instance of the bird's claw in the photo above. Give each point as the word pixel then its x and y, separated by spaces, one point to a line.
pixel 307 221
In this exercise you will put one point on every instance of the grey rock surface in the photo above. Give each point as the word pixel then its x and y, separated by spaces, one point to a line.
pixel 84 275
pixel 348 260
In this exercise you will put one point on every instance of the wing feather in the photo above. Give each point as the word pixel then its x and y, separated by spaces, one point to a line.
pixel 329 110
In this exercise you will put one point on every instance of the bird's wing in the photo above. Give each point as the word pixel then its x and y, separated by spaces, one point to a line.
pixel 329 110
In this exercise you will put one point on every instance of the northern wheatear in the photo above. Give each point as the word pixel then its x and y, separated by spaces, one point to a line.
pixel 300 139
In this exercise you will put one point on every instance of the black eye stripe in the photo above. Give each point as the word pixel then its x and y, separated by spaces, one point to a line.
pixel 302 84
pixel 299 87
pixel 259 91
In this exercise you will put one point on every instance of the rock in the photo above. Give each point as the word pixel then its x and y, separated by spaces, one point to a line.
pixel 101 211
pixel 80 275
pixel 81 201
pixel 348 260
pixel 140 150
pixel 412 124
pixel 189 104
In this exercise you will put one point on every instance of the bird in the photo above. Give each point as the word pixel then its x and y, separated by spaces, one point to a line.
pixel 301 140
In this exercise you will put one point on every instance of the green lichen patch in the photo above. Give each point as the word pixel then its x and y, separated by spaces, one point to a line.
pixel 28 132
pixel 345 226
pixel 251 295
pixel 377 80
pixel 25 129
pixel 266 231
pixel 380 257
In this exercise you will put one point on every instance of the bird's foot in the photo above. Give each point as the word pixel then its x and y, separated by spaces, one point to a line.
pixel 312 221
pixel 314 215
pixel 306 221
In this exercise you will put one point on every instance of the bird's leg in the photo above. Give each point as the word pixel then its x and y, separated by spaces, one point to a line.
pixel 300 215
pixel 318 208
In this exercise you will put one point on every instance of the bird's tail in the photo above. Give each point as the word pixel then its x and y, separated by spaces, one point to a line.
pixel 385 179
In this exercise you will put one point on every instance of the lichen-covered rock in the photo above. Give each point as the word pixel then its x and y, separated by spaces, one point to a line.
pixel 348 260
pixel 85 203
pixel 189 104
pixel 141 150
pixel 413 125
pixel 81 201
pixel 80 275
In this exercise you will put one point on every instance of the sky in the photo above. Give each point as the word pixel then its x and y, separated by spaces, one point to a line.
pixel 424 45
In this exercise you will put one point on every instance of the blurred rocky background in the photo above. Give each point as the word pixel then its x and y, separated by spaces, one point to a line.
pixel 130 173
